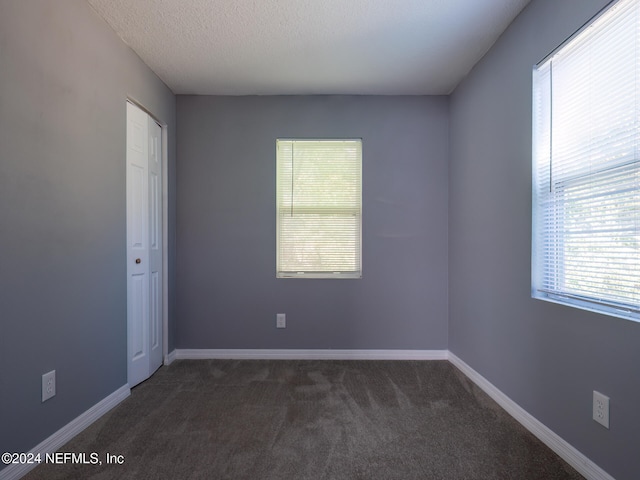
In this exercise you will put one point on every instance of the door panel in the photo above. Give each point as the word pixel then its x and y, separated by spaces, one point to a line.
pixel 156 297
pixel 153 198
pixel 138 310
pixel 138 208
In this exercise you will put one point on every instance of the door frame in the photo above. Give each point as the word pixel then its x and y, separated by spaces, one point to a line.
pixel 165 226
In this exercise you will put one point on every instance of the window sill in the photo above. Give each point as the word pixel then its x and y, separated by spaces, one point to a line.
pixel 588 306
pixel 334 276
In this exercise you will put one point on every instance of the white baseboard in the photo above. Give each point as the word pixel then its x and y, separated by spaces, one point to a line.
pixel 170 357
pixel 313 354
pixel 564 450
pixel 66 433
pixel 571 455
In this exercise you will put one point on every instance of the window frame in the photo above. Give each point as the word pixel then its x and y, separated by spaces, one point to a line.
pixel 285 274
pixel 630 311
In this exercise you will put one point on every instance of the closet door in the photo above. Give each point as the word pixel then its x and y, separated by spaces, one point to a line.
pixel 144 245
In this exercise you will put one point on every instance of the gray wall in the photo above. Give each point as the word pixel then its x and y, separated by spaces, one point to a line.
pixel 64 80
pixel 548 358
pixel 227 292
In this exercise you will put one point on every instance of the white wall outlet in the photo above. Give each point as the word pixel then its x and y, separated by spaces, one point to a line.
pixel 48 385
pixel 601 408
pixel 281 320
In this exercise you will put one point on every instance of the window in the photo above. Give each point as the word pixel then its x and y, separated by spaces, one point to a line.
pixel 586 164
pixel 319 208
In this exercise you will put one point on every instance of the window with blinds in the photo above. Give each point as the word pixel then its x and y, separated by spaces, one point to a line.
pixel 586 165
pixel 319 208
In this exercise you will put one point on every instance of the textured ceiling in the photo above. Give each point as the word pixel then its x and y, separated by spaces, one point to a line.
pixel 287 47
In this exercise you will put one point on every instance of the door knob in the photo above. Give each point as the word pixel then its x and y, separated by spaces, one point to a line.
pixel 138 260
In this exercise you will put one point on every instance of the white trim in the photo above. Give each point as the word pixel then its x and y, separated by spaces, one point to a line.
pixel 313 354
pixel 66 433
pixel 567 452
pixel 170 357
pixel 165 239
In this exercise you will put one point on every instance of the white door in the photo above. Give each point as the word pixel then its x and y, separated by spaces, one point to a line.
pixel 144 245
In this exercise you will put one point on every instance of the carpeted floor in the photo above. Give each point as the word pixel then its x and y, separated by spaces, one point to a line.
pixel 230 419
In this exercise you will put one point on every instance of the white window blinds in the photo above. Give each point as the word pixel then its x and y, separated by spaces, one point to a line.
pixel 586 218
pixel 319 208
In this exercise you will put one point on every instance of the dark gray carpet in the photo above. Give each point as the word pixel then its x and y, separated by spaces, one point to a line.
pixel 229 419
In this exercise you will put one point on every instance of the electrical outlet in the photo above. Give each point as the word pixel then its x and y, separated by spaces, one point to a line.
pixel 48 385
pixel 281 320
pixel 601 409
